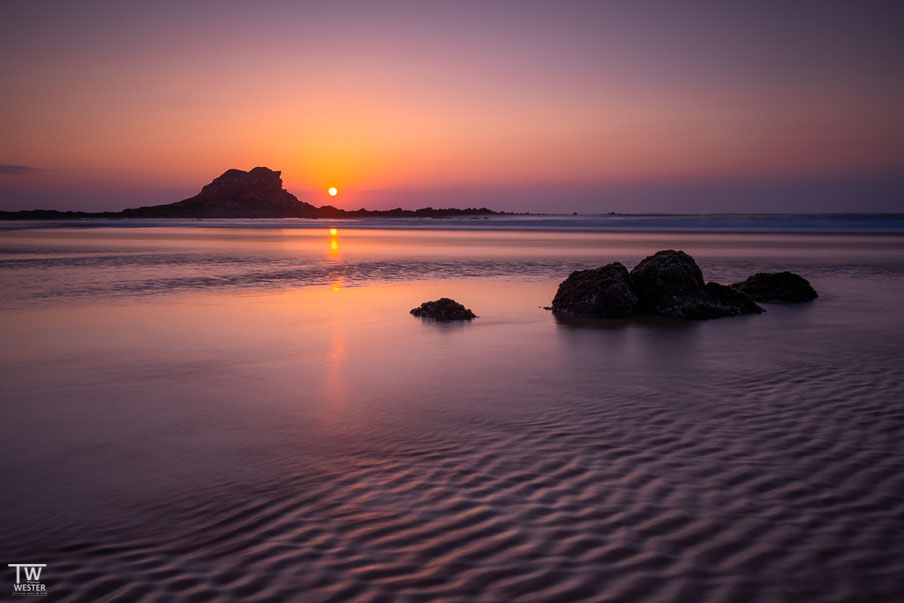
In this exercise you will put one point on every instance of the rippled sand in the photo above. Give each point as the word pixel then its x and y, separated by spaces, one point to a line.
pixel 313 442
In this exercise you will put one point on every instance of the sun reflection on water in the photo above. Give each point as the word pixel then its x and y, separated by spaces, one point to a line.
pixel 334 242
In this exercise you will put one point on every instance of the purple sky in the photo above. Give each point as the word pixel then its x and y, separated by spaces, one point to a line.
pixel 556 106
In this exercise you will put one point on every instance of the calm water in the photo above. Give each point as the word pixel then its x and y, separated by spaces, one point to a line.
pixel 248 412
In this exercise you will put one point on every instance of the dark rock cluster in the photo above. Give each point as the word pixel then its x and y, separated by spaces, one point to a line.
pixel 443 309
pixel 670 283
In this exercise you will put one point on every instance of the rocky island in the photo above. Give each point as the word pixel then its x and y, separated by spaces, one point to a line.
pixel 258 193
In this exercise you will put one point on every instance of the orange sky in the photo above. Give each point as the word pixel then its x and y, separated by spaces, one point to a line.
pixel 121 106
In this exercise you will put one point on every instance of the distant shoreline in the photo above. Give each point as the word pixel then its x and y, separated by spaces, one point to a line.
pixel 328 213
pixel 237 194
pixel 429 212
pixel 833 223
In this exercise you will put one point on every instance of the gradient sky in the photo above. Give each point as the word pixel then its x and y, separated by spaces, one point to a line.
pixel 554 106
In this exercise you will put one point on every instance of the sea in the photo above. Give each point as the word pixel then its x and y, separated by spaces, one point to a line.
pixel 245 410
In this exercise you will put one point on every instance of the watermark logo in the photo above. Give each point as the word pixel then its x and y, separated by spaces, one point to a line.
pixel 28 580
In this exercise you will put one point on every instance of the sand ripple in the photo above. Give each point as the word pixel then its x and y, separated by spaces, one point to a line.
pixel 791 491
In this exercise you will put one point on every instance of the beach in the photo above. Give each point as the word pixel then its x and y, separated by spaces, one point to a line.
pixel 246 410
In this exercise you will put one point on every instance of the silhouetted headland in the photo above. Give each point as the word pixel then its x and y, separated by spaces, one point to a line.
pixel 240 194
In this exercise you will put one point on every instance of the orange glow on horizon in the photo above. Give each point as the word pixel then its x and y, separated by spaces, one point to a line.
pixel 593 103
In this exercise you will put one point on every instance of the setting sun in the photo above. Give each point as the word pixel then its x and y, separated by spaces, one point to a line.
pixel 333 191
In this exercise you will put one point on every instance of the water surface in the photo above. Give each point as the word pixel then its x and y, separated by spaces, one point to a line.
pixel 205 412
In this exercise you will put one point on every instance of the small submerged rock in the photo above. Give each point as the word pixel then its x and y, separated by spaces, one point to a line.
pixel 603 292
pixel 443 309
pixel 777 288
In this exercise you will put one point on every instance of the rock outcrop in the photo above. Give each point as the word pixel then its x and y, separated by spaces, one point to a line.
pixel 670 283
pixel 603 292
pixel 240 194
pixel 667 283
pixel 236 194
pixel 723 300
pixel 777 288
pixel 665 279
pixel 443 309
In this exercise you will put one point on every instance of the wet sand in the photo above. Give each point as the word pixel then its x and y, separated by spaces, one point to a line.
pixel 310 441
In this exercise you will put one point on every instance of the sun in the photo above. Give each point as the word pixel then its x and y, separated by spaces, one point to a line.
pixel 333 191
